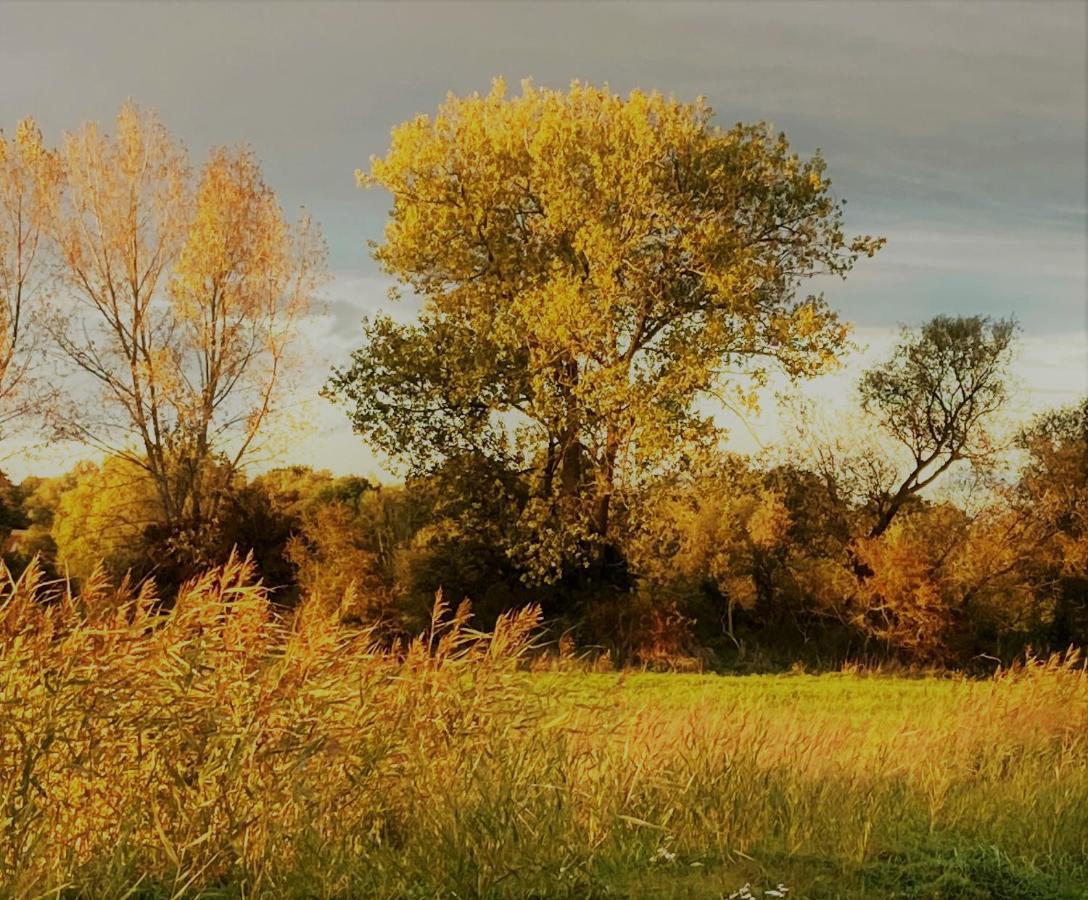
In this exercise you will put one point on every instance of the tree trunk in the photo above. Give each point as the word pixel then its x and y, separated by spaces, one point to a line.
pixel 606 479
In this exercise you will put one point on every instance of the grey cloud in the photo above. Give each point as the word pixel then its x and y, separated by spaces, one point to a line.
pixel 944 117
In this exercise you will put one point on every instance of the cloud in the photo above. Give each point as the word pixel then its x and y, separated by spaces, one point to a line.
pixel 941 111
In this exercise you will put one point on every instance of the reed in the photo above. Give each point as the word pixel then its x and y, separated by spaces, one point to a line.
pixel 216 748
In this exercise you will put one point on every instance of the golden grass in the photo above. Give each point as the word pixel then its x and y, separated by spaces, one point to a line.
pixel 216 749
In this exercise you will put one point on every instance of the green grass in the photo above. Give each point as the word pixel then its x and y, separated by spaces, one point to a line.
pixel 992 838
pixel 218 752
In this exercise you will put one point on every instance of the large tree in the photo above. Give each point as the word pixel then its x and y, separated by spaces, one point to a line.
pixel 187 296
pixel 590 267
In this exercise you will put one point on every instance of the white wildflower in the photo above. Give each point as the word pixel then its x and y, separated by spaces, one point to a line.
pixel 663 854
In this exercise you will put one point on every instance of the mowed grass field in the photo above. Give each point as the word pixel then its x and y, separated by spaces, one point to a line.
pixel 220 751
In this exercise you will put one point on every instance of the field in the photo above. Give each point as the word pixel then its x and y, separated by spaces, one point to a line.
pixel 219 751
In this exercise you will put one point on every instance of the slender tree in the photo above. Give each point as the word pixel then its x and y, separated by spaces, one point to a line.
pixel 188 295
pixel 935 395
pixel 29 180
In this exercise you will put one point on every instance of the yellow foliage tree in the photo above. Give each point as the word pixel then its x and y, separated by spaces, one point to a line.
pixel 591 266
pixel 907 602
pixel 188 296
pixel 716 530
pixel 101 517
pixel 29 180
pixel 336 571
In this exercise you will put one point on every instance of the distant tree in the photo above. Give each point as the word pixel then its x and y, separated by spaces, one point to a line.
pixel 40 497
pixel 1054 480
pixel 909 599
pixel 32 509
pixel 336 568
pixel 1052 497
pixel 451 530
pixel 11 512
pixel 188 298
pixel 102 519
pixel 935 396
pixel 715 534
pixel 270 515
pixel 29 180
pixel 293 490
pixel 591 266
pixel 762 552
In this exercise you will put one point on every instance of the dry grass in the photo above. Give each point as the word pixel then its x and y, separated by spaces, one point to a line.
pixel 217 750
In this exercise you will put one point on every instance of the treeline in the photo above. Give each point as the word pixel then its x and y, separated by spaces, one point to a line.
pixel 597 274
pixel 736 564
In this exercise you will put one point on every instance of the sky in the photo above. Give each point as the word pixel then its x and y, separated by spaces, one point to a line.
pixel 959 131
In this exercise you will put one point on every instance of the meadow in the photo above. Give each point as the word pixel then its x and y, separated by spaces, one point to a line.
pixel 218 749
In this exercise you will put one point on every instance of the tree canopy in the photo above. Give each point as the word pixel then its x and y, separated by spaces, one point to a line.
pixel 935 395
pixel 186 294
pixel 30 175
pixel 591 266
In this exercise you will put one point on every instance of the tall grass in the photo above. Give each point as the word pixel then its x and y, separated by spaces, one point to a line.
pixel 217 749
